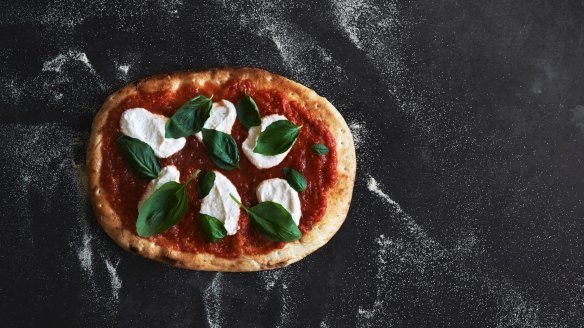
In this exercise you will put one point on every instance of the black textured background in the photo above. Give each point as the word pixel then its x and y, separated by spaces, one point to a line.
pixel 468 117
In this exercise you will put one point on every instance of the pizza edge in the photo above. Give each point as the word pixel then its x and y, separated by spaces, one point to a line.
pixel 338 197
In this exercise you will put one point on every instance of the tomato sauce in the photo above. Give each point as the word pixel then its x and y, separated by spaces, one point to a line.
pixel 124 190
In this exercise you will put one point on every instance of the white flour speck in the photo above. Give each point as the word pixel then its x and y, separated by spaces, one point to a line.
pixel 124 68
pixel 116 282
pixel 359 132
pixel 271 277
pixel 15 91
pixel 578 116
pixel 373 186
pixel 212 301
pixel 288 306
pixel 56 64
pixel 85 254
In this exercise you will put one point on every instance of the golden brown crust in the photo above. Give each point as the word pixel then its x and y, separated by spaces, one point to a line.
pixel 339 196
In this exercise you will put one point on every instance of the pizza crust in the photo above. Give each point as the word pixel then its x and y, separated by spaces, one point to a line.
pixel 339 196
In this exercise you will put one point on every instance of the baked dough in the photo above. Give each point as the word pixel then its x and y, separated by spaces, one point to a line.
pixel 338 200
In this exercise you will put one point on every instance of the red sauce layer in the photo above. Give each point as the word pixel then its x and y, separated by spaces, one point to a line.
pixel 124 190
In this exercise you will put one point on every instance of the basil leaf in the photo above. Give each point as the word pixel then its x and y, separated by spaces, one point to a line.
pixel 277 138
pixel 212 228
pixel 320 149
pixel 247 112
pixel 165 208
pixel 272 221
pixel 206 182
pixel 295 179
pixel 222 149
pixel 189 118
pixel 139 157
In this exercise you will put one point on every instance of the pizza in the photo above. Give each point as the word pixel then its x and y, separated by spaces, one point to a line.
pixel 226 169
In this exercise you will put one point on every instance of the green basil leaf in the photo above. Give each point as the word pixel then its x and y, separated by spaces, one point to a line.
pixel 320 149
pixel 165 208
pixel 272 221
pixel 139 157
pixel 212 228
pixel 277 138
pixel 295 179
pixel 222 149
pixel 189 118
pixel 206 182
pixel 247 112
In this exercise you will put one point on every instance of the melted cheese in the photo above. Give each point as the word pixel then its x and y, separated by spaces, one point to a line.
pixel 258 160
pixel 147 127
pixel 168 173
pixel 222 117
pixel 279 191
pixel 219 204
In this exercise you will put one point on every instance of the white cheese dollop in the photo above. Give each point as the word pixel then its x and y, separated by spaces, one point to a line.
pixel 222 117
pixel 147 127
pixel 258 160
pixel 168 173
pixel 219 204
pixel 279 191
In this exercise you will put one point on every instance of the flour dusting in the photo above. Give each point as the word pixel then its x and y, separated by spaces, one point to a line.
pixel 47 167
pixel 124 69
pixel 212 301
pixel 373 186
pixel 116 282
pixel 361 136
pixel 412 257
pixel 578 117
pixel 85 254
pixel 271 277
pixel 288 307
pixel 56 64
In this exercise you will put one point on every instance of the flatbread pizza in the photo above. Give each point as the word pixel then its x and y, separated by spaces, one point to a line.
pixel 226 169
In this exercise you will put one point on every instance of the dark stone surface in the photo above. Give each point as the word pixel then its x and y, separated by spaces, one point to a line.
pixel 469 115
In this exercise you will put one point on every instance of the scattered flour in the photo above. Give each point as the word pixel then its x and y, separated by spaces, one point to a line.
pixel 359 132
pixel 578 117
pixel 271 278
pixel 56 64
pixel 15 91
pixel 85 254
pixel 300 52
pixel 212 300
pixel 61 70
pixel 361 18
pixel 288 306
pixel 45 163
pixel 124 69
pixel 116 282
pixel 411 225
pixel 414 258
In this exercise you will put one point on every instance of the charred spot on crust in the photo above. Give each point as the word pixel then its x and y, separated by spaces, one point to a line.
pixel 133 249
pixel 169 260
